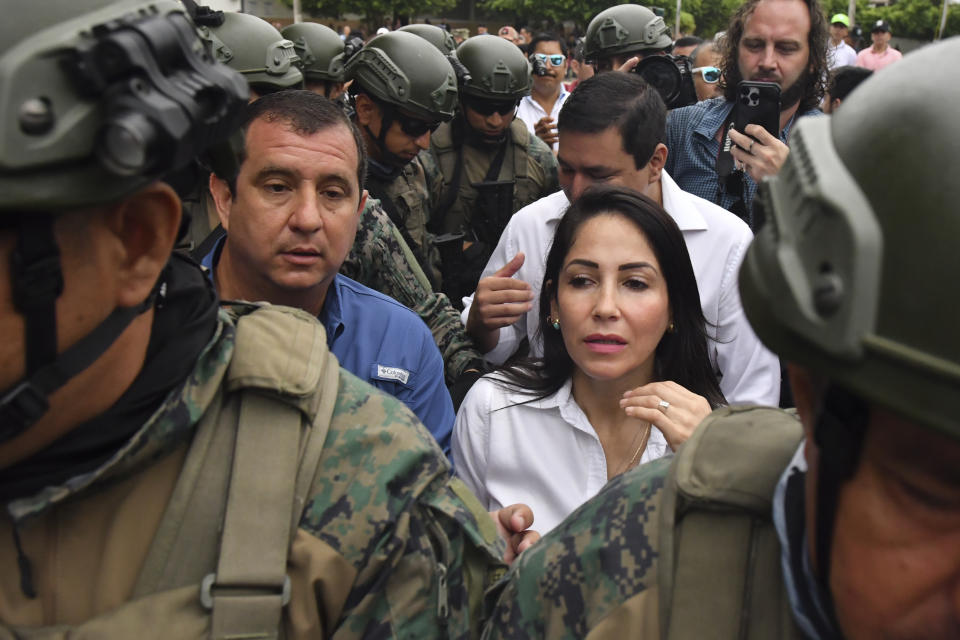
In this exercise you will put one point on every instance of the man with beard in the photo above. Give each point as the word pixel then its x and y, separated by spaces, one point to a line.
pixel 539 110
pixel 781 41
pixel 403 89
pixel 491 165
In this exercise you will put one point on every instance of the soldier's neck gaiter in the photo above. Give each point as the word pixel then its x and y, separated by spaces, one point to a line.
pixel 184 321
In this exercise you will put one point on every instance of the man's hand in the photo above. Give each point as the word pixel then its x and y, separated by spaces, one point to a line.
pixel 629 64
pixel 513 525
pixel 500 301
pixel 546 130
pixel 761 157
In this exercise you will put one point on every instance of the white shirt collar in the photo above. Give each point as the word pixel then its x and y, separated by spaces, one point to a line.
pixel 677 203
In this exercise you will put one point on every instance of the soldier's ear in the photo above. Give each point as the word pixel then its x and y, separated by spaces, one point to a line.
pixel 367 110
pixel 146 225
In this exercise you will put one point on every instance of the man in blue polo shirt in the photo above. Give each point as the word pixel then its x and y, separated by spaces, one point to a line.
pixel 291 215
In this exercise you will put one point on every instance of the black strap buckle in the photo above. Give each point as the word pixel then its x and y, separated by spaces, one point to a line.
pixel 20 408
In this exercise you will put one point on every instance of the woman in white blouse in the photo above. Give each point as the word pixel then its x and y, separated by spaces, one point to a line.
pixel 625 377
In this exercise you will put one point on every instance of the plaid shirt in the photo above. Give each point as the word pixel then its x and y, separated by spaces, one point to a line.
pixel 693 148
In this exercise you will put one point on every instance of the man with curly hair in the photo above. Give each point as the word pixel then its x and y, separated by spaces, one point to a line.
pixel 781 41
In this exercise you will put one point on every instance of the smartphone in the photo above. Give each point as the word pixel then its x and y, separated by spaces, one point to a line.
pixel 757 103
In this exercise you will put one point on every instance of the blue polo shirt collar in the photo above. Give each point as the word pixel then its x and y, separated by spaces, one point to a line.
pixel 333 315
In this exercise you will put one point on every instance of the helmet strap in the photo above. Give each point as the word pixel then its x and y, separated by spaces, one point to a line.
pixel 839 432
pixel 37 282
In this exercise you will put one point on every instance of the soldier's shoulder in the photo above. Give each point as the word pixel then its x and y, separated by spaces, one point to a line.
pixel 377 459
pixel 603 554
pixel 540 152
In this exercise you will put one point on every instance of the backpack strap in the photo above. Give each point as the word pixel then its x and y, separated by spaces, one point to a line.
pixel 720 556
pixel 520 138
pixel 281 377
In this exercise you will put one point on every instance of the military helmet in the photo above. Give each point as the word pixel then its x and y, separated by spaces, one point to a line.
pixel 498 69
pixel 853 274
pixel 252 46
pixel 320 50
pixel 440 38
pixel 101 98
pixel 405 70
pixel 625 28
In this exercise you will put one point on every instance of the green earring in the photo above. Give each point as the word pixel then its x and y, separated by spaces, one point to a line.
pixel 555 323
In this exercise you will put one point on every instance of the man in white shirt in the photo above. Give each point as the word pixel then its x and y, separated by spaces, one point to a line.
pixel 594 149
pixel 839 53
pixel 540 109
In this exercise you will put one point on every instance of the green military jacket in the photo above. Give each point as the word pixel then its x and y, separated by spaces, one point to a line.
pixel 385 543
pixel 680 548
pixel 416 194
pixel 529 162
pixel 381 259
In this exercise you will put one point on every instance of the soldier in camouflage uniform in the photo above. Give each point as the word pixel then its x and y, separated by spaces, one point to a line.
pixel 491 165
pixel 843 524
pixel 382 260
pixel 168 469
pixel 403 88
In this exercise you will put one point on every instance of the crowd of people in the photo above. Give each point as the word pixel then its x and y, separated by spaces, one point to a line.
pixel 310 336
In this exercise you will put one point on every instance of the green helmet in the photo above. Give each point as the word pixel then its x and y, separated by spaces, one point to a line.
pixel 440 38
pixel 252 46
pixel 101 98
pixel 320 50
pixel 852 274
pixel 498 69
pixel 625 28
pixel 407 71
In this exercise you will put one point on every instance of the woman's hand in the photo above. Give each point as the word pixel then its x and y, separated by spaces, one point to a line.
pixel 673 409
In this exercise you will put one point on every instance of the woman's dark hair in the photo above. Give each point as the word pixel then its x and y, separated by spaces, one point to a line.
pixel 681 355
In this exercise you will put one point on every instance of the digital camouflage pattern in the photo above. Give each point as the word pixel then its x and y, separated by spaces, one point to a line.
pixel 415 192
pixel 598 559
pixel 421 548
pixel 381 259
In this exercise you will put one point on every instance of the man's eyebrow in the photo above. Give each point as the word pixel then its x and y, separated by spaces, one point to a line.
pixel 272 170
pixel 592 169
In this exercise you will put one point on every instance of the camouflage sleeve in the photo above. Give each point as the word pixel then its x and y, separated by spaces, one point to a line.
pixel 602 555
pixel 421 549
pixel 543 157
pixel 382 260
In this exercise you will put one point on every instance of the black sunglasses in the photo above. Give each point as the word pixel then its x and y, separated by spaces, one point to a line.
pixel 489 107
pixel 414 127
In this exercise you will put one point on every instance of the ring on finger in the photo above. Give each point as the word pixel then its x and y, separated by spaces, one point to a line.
pixel 750 148
pixel 663 405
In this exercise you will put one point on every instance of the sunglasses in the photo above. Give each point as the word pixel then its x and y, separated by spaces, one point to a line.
pixel 710 74
pixel 555 59
pixel 414 127
pixel 489 107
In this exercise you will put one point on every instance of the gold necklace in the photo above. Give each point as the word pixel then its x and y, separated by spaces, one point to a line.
pixel 643 443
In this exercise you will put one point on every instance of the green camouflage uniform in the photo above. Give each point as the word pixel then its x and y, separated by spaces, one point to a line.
pixel 415 193
pixel 528 161
pixel 420 549
pixel 381 259
pixel 601 556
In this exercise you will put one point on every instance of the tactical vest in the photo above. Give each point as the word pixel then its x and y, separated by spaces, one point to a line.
pixel 217 565
pixel 516 167
pixel 719 572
